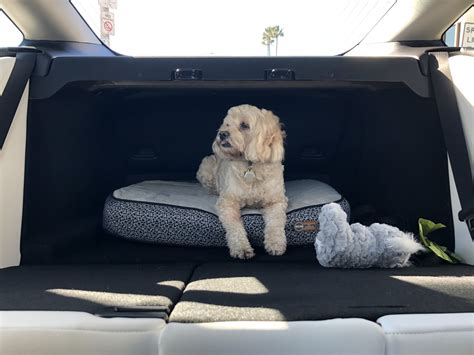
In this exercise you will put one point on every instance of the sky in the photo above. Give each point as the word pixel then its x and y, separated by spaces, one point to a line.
pixel 228 27
pixel 235 27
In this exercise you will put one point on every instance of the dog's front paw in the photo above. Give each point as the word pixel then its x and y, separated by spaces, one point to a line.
pixel 275 249
pixel 242 253
pixel 239 245
pixel 275 243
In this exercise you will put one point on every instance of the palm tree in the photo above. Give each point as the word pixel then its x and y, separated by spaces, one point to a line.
pixel 277 32
pixel 269 36
pixel 267 39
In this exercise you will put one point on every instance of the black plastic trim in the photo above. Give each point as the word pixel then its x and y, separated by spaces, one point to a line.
pixel 157 312
pixel 186 74
pixel 64 70
pixel 280 74
pixel 68 48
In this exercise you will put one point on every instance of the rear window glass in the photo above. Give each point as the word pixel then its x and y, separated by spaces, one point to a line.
pixel 232 28
pixel 461 33
pixel 10 35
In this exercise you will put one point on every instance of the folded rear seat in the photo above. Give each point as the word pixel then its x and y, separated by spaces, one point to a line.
pixel 329 337
pixel 78 333
pixel 429 334
pixel 52 332
pixel 57 333
pixel 253 291
pixel 98 289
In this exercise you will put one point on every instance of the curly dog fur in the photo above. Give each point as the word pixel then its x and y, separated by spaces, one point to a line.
pixel 246 170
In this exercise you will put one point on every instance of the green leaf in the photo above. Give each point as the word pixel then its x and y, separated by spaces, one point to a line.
pixel 435 248
pixel 425 227
pixel 453 256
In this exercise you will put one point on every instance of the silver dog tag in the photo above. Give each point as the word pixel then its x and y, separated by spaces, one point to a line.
pixel 249 175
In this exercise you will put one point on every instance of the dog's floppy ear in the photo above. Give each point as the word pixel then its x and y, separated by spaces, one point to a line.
pixel 267 143
pixel 276 143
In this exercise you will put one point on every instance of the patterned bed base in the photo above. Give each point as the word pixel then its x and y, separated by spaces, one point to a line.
pixel 181 226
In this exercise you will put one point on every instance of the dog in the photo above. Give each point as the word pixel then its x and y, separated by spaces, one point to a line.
pixel 246 170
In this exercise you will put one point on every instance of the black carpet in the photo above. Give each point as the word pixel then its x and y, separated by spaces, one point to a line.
pixel 115 250
pixel 239 290
pixel 284 291
pixel 93 288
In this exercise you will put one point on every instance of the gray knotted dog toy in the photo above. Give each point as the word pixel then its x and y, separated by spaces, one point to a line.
pixel 339 244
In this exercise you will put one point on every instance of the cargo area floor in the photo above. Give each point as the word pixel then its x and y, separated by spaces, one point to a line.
pixel 229 291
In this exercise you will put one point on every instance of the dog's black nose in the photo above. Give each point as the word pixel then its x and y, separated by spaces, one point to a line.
pixel 223 135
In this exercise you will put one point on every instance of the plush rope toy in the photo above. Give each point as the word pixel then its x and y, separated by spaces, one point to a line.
pixel 339 244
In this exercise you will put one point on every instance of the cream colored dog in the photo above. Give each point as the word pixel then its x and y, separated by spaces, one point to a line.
pixel 246 170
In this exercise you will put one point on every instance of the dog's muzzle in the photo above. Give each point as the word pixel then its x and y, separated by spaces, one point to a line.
pixel 223 139
pixel 223 135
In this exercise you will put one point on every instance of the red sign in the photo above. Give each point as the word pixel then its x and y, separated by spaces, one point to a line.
pixel 108 26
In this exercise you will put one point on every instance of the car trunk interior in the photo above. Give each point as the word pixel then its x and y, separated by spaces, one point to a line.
pixel 379 144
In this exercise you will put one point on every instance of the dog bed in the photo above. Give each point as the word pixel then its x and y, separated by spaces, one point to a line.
pixel 184 213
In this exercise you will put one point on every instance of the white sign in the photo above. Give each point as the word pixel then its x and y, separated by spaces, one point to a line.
pixel 468 36
pixel 107 23
pixel 108 3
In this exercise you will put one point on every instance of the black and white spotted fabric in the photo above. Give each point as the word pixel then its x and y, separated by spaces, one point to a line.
pixel 183 214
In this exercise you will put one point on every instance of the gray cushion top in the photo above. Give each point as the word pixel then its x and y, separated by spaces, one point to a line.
pixel 300 193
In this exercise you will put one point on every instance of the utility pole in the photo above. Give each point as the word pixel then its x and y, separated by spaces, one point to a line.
pixel 107 20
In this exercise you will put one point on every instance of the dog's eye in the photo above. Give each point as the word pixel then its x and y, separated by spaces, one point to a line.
pixel 244 125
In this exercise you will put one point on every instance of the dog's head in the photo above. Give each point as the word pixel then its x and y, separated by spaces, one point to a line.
pixel 251 134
